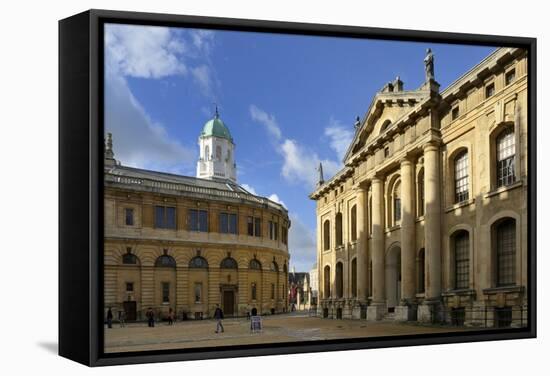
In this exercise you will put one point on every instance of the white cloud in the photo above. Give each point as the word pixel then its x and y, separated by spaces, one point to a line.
pixel 137 140
pixel 340 137
pixel 267 120
pixel 203 78
pixel 144 51
pixel 301 244
pixel 275 198
pixel 249 189
pixel 300 164
pixel 203 40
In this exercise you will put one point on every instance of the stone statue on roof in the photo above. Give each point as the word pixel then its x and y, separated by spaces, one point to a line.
pixel 429 65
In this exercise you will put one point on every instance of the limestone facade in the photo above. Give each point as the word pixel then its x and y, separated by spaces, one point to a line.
pixel 427 220
pixel 185 244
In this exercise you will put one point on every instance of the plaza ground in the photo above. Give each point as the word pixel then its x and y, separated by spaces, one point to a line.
pixel 278 328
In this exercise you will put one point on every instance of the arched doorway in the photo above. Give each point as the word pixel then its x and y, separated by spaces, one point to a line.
pixel 393 277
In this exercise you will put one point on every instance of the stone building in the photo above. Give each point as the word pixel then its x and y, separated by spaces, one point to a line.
pixel 427 220
pixel 188 243
pixel 299 291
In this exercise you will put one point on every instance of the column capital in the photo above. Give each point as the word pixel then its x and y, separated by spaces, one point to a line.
pixel 432 145
pixel 405 161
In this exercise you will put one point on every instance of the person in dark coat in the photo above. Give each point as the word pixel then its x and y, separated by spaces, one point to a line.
pixel 150 317
pixel 218 316
pixel 109 318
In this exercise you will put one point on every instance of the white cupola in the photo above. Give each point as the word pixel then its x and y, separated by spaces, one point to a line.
pixel 216 156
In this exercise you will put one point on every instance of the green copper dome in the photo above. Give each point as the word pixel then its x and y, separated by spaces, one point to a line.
pixel 216 127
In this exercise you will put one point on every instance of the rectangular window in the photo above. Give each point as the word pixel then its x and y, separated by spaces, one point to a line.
pixel 272 291
pixel 276 231
pixel 271 230
pixel 489 90
pixel 228 223
pixel 198 220
pixel 257 227
pixel 129 286
pixel 250 226
pixel 458 316
pixel 129 216
pixel 165 217
pixel 386 152
pixel 506 158
pixel 461 178
pixel 455 113
pixel 198 292
pixel 510 77
pixel 165 292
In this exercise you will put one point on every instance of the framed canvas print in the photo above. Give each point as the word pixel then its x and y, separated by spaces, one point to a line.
pixel 238 187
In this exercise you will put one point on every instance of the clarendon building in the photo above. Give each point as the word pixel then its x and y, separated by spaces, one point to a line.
pixel 186 244
pixel 427 220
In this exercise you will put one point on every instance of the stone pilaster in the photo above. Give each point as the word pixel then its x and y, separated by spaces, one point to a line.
pixel 378 307
pixel 405 311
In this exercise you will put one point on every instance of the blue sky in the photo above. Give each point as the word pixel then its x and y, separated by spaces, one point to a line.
pixel 289 102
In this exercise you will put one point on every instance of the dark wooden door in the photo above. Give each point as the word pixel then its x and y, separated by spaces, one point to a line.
pixel 130 309
pixel 228 302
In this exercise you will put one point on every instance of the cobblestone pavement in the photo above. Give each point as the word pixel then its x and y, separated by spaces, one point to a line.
pixel 277 328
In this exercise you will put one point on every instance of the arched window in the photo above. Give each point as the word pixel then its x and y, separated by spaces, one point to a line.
pixel 461 176
pixel 421 268
pixel 218 152
pixel 339 280
pixel 354 277
pixel 228 263
pixel 461 250
pixel 421 200
pixel 339 237
pixel 274 267
pixel 198 262
pixel 326 235
pixel 165 261
pixel 396 204
pixel 353 219
pixel 326 280
pixel 506 157
pixel 207 152
pixel 505 243
pixel 253 291
pixel 255 265
pixel 130 259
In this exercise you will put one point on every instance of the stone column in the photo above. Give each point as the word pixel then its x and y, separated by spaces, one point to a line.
pixel 378 307
pixel 404 311
pixel 432 232
pixel 361 246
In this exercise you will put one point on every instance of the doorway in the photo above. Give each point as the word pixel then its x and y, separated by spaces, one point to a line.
pixel 229 302
pixel 393 277
pixel 130 309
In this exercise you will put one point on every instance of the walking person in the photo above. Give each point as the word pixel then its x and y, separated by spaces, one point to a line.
pixel 170 317
pixel 109 318
pixel 150 317
pixel 218 315
pixel 122 318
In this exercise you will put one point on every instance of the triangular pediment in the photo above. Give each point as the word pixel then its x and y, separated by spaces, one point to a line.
pixel 385 109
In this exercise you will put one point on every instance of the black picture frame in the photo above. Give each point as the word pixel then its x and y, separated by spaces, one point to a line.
pixel 81 186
